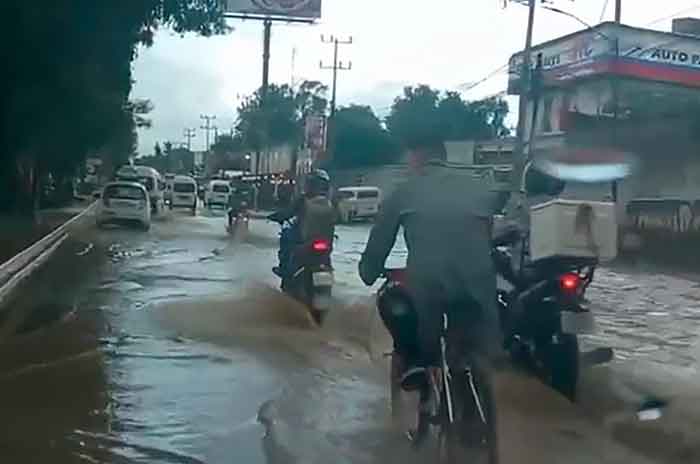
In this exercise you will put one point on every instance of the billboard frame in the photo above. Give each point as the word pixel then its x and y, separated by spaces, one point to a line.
pixel 269 17
pixel 274 18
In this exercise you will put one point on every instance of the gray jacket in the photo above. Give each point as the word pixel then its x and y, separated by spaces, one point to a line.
pixel 446 217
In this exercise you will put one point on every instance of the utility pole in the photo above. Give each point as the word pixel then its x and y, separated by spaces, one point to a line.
pixel 521 154
pixel 335 67
pixel 618 11
pixel 207 127
pixel 190 133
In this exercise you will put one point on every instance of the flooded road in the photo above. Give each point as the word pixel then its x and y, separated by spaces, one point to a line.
pixel 178 348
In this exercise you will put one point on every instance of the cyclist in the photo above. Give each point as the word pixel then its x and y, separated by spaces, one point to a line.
pixel 446 219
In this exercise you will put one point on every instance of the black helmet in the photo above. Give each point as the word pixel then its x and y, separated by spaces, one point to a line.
pixel 538 182
pixel 318 182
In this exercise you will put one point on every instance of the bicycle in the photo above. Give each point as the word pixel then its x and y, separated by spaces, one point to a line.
pixel 455 403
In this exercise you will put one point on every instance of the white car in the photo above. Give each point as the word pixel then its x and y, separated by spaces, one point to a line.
pixel 358 203
pixel 217 193
pixel 149 178
pixel 125 203
pixel 184 193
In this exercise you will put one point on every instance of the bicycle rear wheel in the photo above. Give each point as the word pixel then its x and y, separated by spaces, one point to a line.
pixel 468 439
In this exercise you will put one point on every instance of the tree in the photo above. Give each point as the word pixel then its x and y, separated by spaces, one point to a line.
pixel 361 140
pixel 414 116
pixel 157 151
pixel 69 97
pixel 281 118
pixel 422 114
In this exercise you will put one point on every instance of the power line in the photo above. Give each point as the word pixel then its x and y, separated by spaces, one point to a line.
pixel 602 13
pixel 207 128
pixel 190 133
pixel 672 16
pixel 336 66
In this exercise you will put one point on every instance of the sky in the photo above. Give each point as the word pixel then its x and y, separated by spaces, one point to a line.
pixel 446 44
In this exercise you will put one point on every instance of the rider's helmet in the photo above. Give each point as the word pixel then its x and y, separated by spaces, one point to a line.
pixel 538 182
pixel 318 183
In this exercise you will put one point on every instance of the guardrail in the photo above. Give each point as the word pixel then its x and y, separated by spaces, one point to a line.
pixel 25 263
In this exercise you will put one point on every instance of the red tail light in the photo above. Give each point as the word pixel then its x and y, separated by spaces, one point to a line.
pixel 569 283
pixel 321 246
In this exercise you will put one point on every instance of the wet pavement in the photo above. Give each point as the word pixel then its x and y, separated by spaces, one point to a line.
pixel 175 346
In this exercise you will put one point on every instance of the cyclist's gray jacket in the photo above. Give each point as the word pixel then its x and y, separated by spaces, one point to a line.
pixel 446 215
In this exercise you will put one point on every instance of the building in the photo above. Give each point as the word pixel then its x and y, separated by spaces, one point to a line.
pixel 276 160
pixel 619 89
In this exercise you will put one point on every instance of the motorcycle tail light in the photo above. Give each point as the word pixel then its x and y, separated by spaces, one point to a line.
pixel 321 246
pixel 570 283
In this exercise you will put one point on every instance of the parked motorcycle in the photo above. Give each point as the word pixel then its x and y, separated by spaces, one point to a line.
pixel 310 276
pixel 543 313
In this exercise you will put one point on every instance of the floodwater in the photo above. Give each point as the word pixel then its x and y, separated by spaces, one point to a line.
pixel 175 346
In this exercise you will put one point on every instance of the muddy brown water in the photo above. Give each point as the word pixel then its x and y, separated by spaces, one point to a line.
pixel 181 350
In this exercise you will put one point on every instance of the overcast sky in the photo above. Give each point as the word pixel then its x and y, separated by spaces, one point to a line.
pixel 443 43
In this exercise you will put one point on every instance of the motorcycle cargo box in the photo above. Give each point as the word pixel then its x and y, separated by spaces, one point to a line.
pixel 573 229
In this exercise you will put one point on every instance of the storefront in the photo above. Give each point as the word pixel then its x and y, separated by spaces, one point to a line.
pixel 615 88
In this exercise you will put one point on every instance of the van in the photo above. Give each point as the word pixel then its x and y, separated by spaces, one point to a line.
pixel 217 193
pixel 358 203
pixel 150 179
pixel 184 193
pixel 124 203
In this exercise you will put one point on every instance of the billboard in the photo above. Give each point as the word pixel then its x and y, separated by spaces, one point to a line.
pixel 310 9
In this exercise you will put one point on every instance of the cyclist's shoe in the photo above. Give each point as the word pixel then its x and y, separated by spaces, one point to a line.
pixel 414 378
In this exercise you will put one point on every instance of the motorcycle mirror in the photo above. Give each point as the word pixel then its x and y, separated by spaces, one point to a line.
pixel 587 165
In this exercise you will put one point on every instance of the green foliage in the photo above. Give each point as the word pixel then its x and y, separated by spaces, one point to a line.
pixel 361 140
pixel 68 78
pixel 423 115
pixel 280 117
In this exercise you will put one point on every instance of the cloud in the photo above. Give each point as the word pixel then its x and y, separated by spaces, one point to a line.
pixel 442 43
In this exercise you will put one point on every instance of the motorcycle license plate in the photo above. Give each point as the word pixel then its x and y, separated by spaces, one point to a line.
pixel 323 279
pixel 577 322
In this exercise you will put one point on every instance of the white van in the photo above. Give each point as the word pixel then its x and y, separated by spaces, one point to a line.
pixel 124 203
pixel 184 193
pixel 217 193
pixel 149 178
pixel 358 203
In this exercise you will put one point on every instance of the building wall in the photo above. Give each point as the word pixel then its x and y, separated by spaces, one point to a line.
pixel 277 160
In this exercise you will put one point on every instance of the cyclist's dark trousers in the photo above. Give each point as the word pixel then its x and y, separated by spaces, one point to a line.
pixel 472 328
pixel 401 320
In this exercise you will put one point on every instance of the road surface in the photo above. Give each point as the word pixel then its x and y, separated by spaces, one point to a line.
pixel 178 348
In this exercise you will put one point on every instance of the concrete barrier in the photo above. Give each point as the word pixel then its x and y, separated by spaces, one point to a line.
pixel 25 263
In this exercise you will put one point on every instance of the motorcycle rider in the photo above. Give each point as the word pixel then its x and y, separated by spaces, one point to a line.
pixel 446 219
pixel 237 202
pixel 314 217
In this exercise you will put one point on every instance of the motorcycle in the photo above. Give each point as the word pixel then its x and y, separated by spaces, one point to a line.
pixel 456 403
pixel 543 312
pixel 310 277
pixel 239 222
